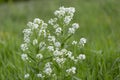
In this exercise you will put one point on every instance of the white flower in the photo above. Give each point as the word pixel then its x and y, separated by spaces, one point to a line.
pixel 72 58
pixel 69 54
pixel 48 71
pixel 55 26
pixel 64 51
pixel 59 14
pixel 35 26
pixel 40 75
pixel 58 30
pixel 42 45
pixel 59 60
pixel 71 70
pixel 57 44
pixel 58 53
pixel 51 38
pixel 37 21
pixel 24 57
pixel 42 32
pixel 64 11
pixel 52 21
pixel 26 75
pixel 29 24
pixel 71 31
pixel 82 41
pixel 62 8
pixel 26 38
pixel 39 56
pixel 50 48
pixel 70 10
pixel 81 57
pixel 74 42
pixel 24 47
pixel 44 25
pixel 75 25
pixel 35 41
pixel 48 64
pixel 67 19
pixel 47 68
pixel 27 31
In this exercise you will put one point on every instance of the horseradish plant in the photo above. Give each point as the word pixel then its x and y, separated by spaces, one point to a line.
pixel 48 50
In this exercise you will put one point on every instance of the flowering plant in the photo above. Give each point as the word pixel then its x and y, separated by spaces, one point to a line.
pixel 48 51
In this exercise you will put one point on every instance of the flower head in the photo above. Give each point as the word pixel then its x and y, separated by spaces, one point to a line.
pixel 71 70
pixel 81 57
pixel 39 56
pixel 37 21
pixel 24 57
pixel 82 41
pixel 27 75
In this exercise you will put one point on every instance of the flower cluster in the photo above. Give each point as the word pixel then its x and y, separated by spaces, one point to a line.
pixel 47 49
pixel 71 70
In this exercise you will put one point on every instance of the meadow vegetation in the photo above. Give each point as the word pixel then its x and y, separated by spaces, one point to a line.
pixel 99 22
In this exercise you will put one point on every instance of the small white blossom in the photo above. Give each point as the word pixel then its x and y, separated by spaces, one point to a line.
pixel 52 21
pixel 75 25
pixel 37 21
pixel 62 8
pixel 39 56
pixel 59 14
pixel 72 58
pixel 71 70
pixel 24 57
pixel 74 42
pixel 69 54
pixel 67 20
pixel 24 47
pixel 35 41
pixel 27 31
pixel 50 48
pixel 44 25
pixel 58 30
pixel 48 64
pixel 26 38
pixel 57 44
pixel 26 75
pixel 81 57
pixel 55 26
pixel 58 53
pixel 29 24
pixel 42 45
pixel 71 31
pixel 70 10
pixel 47 68
pixel 42 32
pixel 40 75
pixel 82 41
pixel 35 26
pixel 64 51
pixel 59 60
pixel 51 38
pixel 48 71
pixel 64 11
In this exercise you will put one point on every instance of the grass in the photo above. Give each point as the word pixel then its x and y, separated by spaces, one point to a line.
pixel 100 24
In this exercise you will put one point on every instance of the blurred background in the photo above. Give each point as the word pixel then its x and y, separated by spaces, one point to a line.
pixel 4 1
pixel 99 22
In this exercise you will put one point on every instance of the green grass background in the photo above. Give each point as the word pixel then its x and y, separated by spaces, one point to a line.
pixel 99 22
